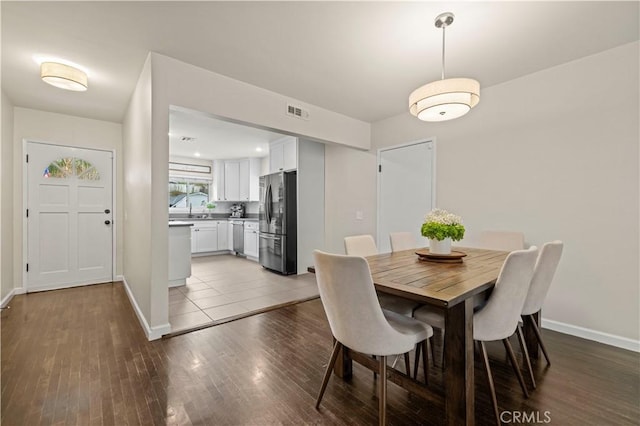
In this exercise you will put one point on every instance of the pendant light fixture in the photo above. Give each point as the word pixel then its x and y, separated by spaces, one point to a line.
pixel 444 99
pixel 63 76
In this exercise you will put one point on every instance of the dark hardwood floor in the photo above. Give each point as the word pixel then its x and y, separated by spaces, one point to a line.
pixel 78 356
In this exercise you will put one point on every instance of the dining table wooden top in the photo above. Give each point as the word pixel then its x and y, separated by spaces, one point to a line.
pixel 404 274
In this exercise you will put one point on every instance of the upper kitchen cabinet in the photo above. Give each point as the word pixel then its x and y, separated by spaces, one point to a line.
pixel 237 180
pixel 283 154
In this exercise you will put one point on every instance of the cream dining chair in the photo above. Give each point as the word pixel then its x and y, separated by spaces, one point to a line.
pixel 402 241
pixel 364 245
pixel 358 322
pixel 543 274
pixel 490 240
pixel 498 319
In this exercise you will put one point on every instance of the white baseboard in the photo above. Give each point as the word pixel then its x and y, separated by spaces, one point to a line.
pixel 5 301
pixel 598 336
pixel 14 291
pixel 118 278
pixel 153 333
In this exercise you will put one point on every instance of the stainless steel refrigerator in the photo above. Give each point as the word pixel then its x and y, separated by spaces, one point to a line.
pixel 278 224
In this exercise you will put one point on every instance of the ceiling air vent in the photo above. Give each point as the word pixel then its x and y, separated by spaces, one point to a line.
pixel 297 112
pixel 187 139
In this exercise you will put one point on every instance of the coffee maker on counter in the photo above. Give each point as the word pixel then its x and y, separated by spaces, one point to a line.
pixel 237 210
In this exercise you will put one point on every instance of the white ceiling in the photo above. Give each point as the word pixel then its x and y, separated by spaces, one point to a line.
pixel 213 138
pixel 361 59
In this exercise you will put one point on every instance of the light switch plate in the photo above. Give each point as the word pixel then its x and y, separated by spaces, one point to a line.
pixel 359 215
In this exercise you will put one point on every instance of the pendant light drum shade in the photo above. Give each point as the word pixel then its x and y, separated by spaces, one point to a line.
pixel 444 99
pixel 447 98
pixel 63 76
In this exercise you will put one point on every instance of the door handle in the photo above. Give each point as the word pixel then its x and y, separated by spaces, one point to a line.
pixel 107 222
pixel 107 211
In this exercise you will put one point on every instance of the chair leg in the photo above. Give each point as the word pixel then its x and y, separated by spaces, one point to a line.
pixel 375 374
pixel 536 330
pixel 407 364
pixel 516 367
pixel 433 351
pixel 525 353
pixel 425 361
pixel 417 361
pixel 382 396
pixel 492 388
pixel 334 356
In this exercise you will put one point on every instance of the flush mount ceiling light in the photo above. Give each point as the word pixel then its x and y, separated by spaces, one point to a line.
pixel 63 76
pixel 444 99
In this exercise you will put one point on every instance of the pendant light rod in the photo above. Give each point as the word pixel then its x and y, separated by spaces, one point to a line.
pixel 443 29
pixel 443 21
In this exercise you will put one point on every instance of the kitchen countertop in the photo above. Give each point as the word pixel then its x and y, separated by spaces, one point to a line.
pixel 179 223
pixel 201 219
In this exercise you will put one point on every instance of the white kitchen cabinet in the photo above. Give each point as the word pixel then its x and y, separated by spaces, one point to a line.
pixel 283 155
pixel 223 234
pixel 204 236
pixel 290 155
pixel 276 157
pixel 251 239
pixel 255 165
pixel 218 180
pixel 241 179
pixel 230 236
pixel 179 255
pixel 232 180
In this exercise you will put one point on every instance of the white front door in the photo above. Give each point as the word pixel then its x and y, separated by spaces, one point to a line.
pixel 406 189
pixel 70 218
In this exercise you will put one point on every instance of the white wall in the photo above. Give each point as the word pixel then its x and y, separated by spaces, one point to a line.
pixel 6 199
pixel 176 83
pixel 555 155
pixel 350 187
pixel 196 88
pixel 140 212
pixel 66 130
pixel 311 199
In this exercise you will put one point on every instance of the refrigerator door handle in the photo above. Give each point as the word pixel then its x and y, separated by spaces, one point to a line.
pixel 267 207
pixel 269 237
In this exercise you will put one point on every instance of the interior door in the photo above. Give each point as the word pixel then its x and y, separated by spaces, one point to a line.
pixel 406 190
pixel 70 218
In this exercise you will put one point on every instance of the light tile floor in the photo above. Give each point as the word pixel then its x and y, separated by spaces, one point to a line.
pixel 226 287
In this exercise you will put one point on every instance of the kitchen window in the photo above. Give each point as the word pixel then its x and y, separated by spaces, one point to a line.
pixel 188 193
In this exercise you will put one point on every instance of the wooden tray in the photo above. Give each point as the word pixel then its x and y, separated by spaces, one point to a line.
pixel 454 257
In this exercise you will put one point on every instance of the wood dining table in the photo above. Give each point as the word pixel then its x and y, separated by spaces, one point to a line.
pixel 449 287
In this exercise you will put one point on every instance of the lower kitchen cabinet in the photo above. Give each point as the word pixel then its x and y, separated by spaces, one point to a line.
pixel 179 255
pixel 223 234
pixel 204 236
pixel 251 239
pixel 230 236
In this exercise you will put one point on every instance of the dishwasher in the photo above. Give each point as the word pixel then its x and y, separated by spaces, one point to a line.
pixel 238 237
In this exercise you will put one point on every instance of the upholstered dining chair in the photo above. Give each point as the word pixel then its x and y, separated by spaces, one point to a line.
pixel 358 322
pixel 360 245
pixel 543 274
pixel 498 319
pixel 501 240
pixel 402 241
pixel 364 245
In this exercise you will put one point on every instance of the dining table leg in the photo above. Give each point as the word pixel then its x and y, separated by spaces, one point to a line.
pixel 530 334
pixel 458 373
